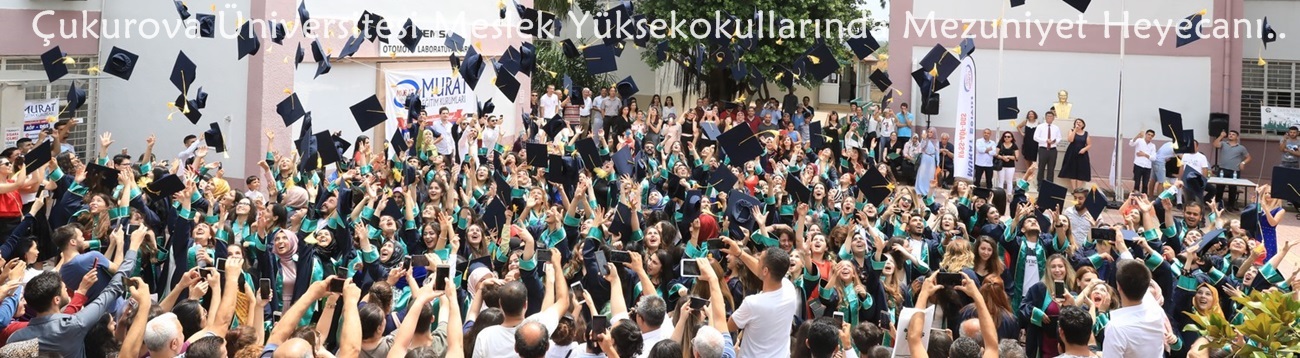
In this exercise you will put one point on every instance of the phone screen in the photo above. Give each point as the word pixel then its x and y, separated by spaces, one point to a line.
pixel 1059 286
pixel 419 260
pixel 690 268
pixel 221 264
pixel 715 244
pixel 949 279
pixel 600 263
pixel 599 324
pixel 440 278
pixel 264 288
pixel 698 302
pixel 620 257
pixel 839 316
pixel 543 255
pixel 336 285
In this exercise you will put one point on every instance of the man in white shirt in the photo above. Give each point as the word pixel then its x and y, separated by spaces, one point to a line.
pixel 766 317
pixel 442 133
pixel 1158 172
pixel 1137 326
pixel 1143 151
pixel 1199 163
pixel 584 112
pixel 490 133
pixel 550 103
pixel 1047 135
pixel 499 341
pixel 598 113
pixel 652 318
pixel 985 148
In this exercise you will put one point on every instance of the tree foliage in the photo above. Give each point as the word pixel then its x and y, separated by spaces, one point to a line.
pixel 552 66
pixel 1270 327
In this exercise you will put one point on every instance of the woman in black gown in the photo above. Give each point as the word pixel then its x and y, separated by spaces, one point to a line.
pixel 1076 164
pixel 1029 146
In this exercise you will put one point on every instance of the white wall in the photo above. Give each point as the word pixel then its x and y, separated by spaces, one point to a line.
pixel 133 110
pixel 1284 16
pixel 330 96
pixel 89 5
pixel 1093 83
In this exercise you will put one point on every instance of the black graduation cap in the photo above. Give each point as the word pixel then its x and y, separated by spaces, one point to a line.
pixel 785 76
pixel 214 139
pixel 398 142
pixel 570 50
pixel 38 156
pixel 322 58
pixel 182 9
pixel 553 126
pixel 369 24
pixel 723 180
pixel 1008 108
pixel 623 163
pixel 455 42
pixel 536 154
pixel 106 176
pixel 797 189
pixel 741 144
pixel 562 170
pixel 540 24
pixel 506 82
pixel 120 63
pixel 740 208
pixel 888 98
pixel 1171 124
pixel 739 71
pixel 1208 240
pixel 1286 184
pixel 881 80
pixel 341 144
pixel 486 108
pixel 413 105
pixel 690 209
pixel 494 215
pixel 1096 202
pixel 200 99
pixel 369 113
pixel 589 153
pixel 941 59
pixel 510 60
pixel 412 35
pixel 471 67
pixel 925 82
pixel 329 154
pixel 350 47
pixel 627 88
pixel 821 62
pixel 1267 34
pixel 298 56
pixel 55 63
pixel 1015 3
pixel 661 51
pixel 1185 140
pixel 290 109
pixel 1051 195
pixel 278 33
pixel 1081 5
pixel 711 129
pixel 1188 31
pixel 248 43
pixel 207 25
pixel 1250 220
pixel 189 108
pixel 982 192
pixel 875 186
pixel 816 136
pixel 864 45
pixel 621 223
pixel 528 58
pixel 303 16
pixel 166 186
pixel 599 59
pixel 76 98
pixel 967 47
pixel 183 72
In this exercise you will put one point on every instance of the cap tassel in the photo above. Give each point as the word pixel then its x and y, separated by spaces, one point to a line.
pixel 93 70
pixel 934 72
pixel 815 60
pixel 225 155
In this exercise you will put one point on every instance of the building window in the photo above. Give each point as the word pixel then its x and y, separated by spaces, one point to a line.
pixel 1273 85
pixel 41 89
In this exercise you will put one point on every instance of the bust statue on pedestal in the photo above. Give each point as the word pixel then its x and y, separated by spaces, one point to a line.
pixel 1062 106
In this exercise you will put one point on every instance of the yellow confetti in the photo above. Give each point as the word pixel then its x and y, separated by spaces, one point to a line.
pixel 213 7
pixel 171 105
pixel 501 4
pixel 69 61
pixel 287 90
pixel 286 59
pixel 93 70
pixel 1204 11
pixel 780 41
pixel 997 22
pixel 1261 62
pixel 392 54
pixel 51 119
pixel 169 115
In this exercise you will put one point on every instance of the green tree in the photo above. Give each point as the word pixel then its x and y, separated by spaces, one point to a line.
pixel 1269 327
pixel 768 56
pixel 552 66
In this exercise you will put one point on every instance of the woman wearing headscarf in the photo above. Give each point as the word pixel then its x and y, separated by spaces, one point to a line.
pixel 293 267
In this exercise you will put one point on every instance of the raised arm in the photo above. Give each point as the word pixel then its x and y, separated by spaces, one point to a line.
pixel 134 341
pixel 289 320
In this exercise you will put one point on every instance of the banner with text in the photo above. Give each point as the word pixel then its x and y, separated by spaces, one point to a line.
pixel 964 138
pixel 35 117
pixel 437 88
pixel 1278 119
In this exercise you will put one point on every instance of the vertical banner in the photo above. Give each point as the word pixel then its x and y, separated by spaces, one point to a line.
pixel 36 116
pixel 964 138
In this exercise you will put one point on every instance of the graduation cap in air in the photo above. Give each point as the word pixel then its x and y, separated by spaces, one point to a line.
pixel 864 45
pixel 816 136
pixel 820 62
pixel 278 33
pixel 1096 202
pixel 539 24
pixel 298 57
pixel 56 63
pixel 510 60
pixel 739 71
pixel 982 192
pixel 711 130
pixel 290 109
pixel 661 51
pixel 413 105
pixel 1015 3
pixel 1081 5
pixel 1268 35
pixel 536 154
pixel 455 42
pixel 303 16
pixel 785 76
pixel 76 98
pixel 1008 108
pixel 741 144
pixel 966 48
pixel 166 186
pixel 486 108
pixel 200 99
pixel 183 72
pixel 590 153
pixel 370 26
pixel 1286 184
pixel 248 43
pixel 875 187
pixel 369 113
pixel 1051 196
pixel 553 126
pixel 398 142
pixel 214 139
pixel 888 98
pixel 1250 220
pixel 599 59
pixel 627 88
pixel 1208 241
pixel 121 63
pixel 1171 124
pixel 1186 142
pixel 329 154
pixel 207 25
pixel 722 180
pixel 621 224
pixel 306 145
pixel 927 83
pixel 506 82
pixel 941 60
pixel 471 67
pixel 411 35
pixel 740 207
pixel 1188 31
pixel 528 58
pixel 562 170
pixel 189 108
pixel 494 215
pixel 797 189
pixel 322 58
pixel 570 50
pixel 350 47
pixel 38 156
pixel 341 144
pixel 881 80
pixel 105 176
pixel 182 9
pixel 623 163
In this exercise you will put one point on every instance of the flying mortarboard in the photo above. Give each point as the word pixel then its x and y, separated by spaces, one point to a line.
pixel 398 142
pixel 627 88
pixel 207 25
pixel 1015 3
pixel 486 108
pixel 107 177
pixel 214 139
pixel 298 56
pixel 562 170
pixel 322 58
pixel 370 25
pixel 1185 142
pixel 1081 5
pixel 590 153
pixel 621 223
pixel 623 164
pixel 528 58
pixel 166 186
pixel 1268 35
pixel 967 47
pixel 740 207
pixel 723 180
pixel 599 59
pixel 797 189
pixel 711 129
pixel 183 72
pixel 940 60
pixel 875 187
pixel 1171 124
pixel 494 215
pixel 570 50
pixel 200 99
pixel 1096 202
pixel 506 82
pixel 182 9
pixel 552 127
pixel 881 80
pixel 369 113
pixel 1189 30
pixel 248 43
pixel 982 192
pixel 455 42
pixel 413 105
pixel 863 46
pixel 56 63
pixel 341 144
pixel 290 109
pixel 1008 108
pixel 1286 184
pixel 471 67
pixel 536 154
pixel 1250 220
pixel 303 16
pixel 539 24
pixel 821 62
pixel 510 59
pixel 1051 196
pixel 278 33
pixel 38 156
pixel 121 63
pixel 741 144
pixel 1208 241
pixel 76 98
pixel 189 108
pixel 351 47
pixel 411 35
pixel 329 154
